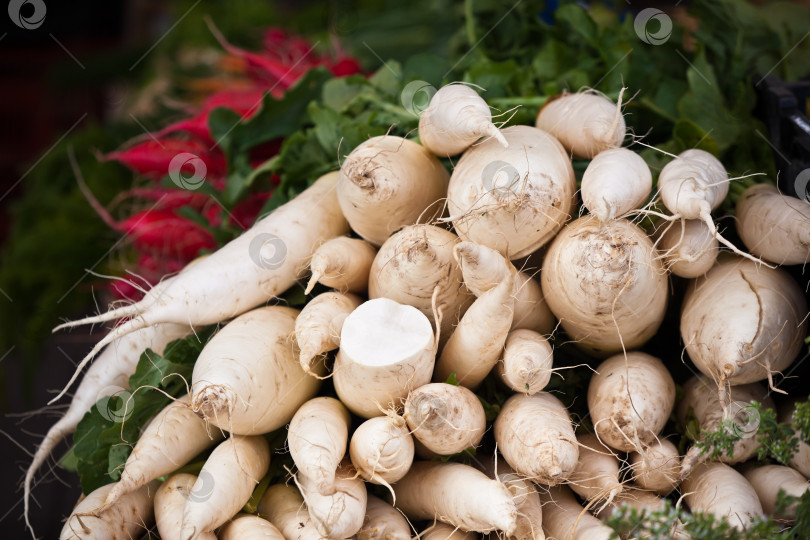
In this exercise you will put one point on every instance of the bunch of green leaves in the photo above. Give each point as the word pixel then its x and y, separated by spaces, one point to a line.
pixel 778 440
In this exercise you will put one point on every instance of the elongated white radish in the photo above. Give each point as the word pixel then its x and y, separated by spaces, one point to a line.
pixel 564 518
pixel 718 489
pixel 458 495
pixel 341 514
pixel 658 468
pixel 412 264
pixel 386 350
pixel 263 262
pixel 616 181
pixel 456 118
pixel 700 399
pixel 526 363
pixel 536 438
pixel 689 248
pixel 773 226
pixel 388 182
pixel 170 500
pixel 130 517
pixel 107 375
pixel 247 526
pixel 769 480
pixel 383 522
pixel 382 449
pixel 630 398
pixel 801 458
pixel 317 438
pixel 604 283
pixel 447 419
pixel 173 437
pixel 318 326
pixel 596 475
pixel 342 263
pixel 443 531
pixel 484 268
pixel 284 507
pixel 225 484
pixel 529 524
pixel 741 322
pixel 247 379
pixel 513 200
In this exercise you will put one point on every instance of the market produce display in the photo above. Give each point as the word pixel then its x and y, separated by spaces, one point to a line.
pixel 451 317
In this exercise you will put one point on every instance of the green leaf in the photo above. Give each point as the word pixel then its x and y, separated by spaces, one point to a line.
pixel 451 379
pixel 690 135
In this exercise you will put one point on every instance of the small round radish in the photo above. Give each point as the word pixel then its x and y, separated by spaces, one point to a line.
pixel 564 518
pixel 443 531
pixel 342 263
pixel 585 123
pixel 386 349
pixel 382 449
pixel 604 283
pixel 284 507
pixel 455 119
pixel 526 363
pixel 383 522
pixel 387 182
pixel 249 526
pixel 658 468
pixel 769 480
pixel 128 518
pixel 718 489
pixel 773 226
pixel 801 458
pixel 630 398
pixel 513 200
pixel 341 514
pixel 689 248
pixel 170 500
pixel 317 328
pixel 596 475
pixel 447 419
pixel 616 181
pixel 536 438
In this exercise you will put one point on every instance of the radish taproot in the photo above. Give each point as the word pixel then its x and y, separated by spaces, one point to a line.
pixel 340 514
pixel 632 497
pixel 318 326
pixel 456 118
pixel 616 181
pixel 688 247
pixel 128 518
pixel 170 500
pixel 516 199
pixel 386 349
pixel 657 468
pixel 383 522
pixel 382 449
pixel 769 480
pixel 443 531
pixel 247 526
pixel 529 525
pixel 342 263
pixel 388 182
pixel 526 363
pixel 263 262
pixel 247 379
pixel 604 283
pixel 283 506
pixel 564 518
pixel 596 476
pixel 718 489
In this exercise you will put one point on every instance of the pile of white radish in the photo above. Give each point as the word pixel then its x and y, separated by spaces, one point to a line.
pixel 420 394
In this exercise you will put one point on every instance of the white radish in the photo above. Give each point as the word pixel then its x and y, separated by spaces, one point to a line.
pixel 529 525
pixel 388 182
pixel 632 497
pixel 225 484
pixel 247 379
pixel 513 200
pixel 108 375
pixel 263 262
pixel 616 181
pixel 128 518
pixel 718 489
pixel 317 438
pixel 382 449
pixel 383 522
pixel 564 518
pixel 769 480
pixel 630 398
pixel 586 123
pixel 801 458
pixel 318 326
pixel 526 363
pixel 342 263
pixel 658 468
pixel 596 475
pixel 341 514
pixel 605 284
pixel 455 119
pixel 443 531
pixel 536 438
pixel 173 437
pixel 386 350
pixel 457 494
pixel 773 226
pixel 447 419
pixel 283 506
pixel 689 248
pixel 741 322
pixel 170 500
pixel 412 264
pixel 246 526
